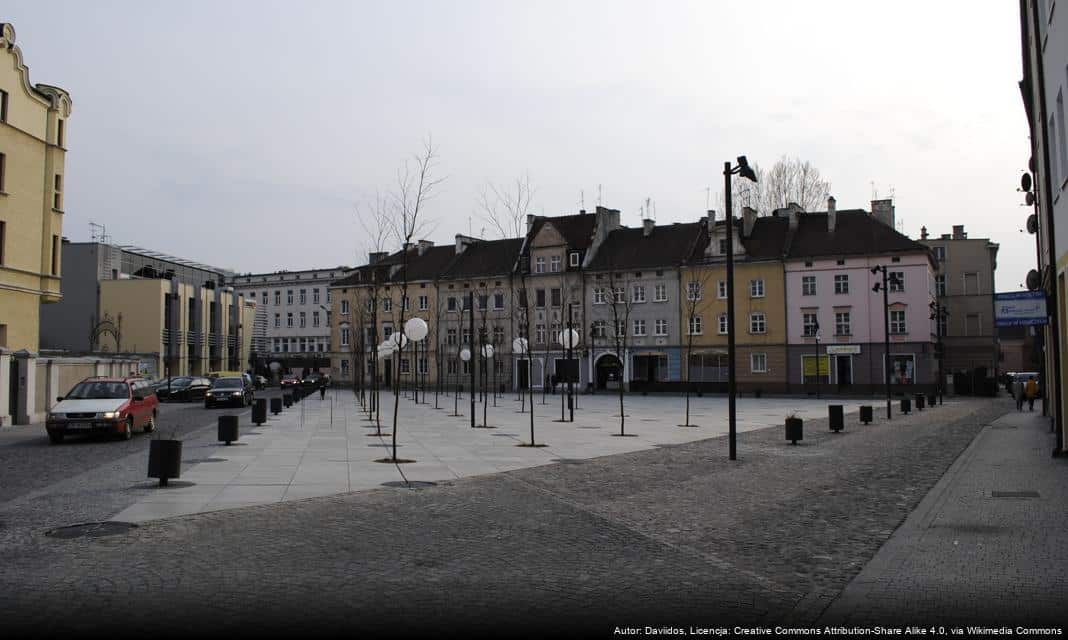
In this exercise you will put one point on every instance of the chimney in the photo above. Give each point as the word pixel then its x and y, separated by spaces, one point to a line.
pixel 958 232
pixel 647 227
pixel 749 216
pixel 883 210
pixel 424 246
pixel 923 233
pixel 832 214
pixel 710 221
pixel 375 257
pixel 463 242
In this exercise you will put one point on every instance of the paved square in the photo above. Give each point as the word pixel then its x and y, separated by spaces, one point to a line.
pixel 324 447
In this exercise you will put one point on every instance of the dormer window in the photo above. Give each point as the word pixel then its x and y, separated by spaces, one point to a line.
pixel 723 246
pixel 573 259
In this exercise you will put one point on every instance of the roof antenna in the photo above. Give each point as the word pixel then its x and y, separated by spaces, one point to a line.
pixel 582 200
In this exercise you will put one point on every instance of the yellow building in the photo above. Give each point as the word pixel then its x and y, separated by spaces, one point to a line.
pixel 32 150
pixel 760 313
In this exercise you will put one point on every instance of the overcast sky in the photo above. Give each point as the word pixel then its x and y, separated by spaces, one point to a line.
pixel 244 134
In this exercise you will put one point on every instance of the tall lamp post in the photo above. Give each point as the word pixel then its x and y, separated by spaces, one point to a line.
pixel 744 170
pixel 883 286
pixel 817 360
pixel 939 315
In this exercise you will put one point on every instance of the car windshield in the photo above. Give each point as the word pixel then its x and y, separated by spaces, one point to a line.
pixel 181 382
pixel 289 377
pixel 228 383
pixel 99 391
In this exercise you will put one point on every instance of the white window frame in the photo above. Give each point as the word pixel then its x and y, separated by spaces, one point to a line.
pixel 694 326
pixel 808 285
pixel 539 264
pixel 758 362
pixel 693 290
pixel 573 259
pixel 637 293
pixel 721 324
pixel 303 319
pixel 620 296
pixel 555 264
pixel 660 292
pixel 756 288
pixel 344 307
pixel 661 327
pixel 838 324
pixel 758 323
pixel 841 284
pixel 639 327
pixel 899 326
pixel 805 324
pixel 344 336
pixel 598 295
pixel 721 289
pixel 423 302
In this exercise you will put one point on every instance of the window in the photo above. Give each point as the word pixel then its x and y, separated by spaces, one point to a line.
pixel 758 362
pixel 756 288
pixel 303 345
pixel 264 294
pixel 344 368
pixel 450 304
pixel 940 254
pixel 600 329
pixel 405 303
pixel 289 296
pixel 277 320
pixel 289 319
pixel 539 333
pixel 422 366
pixel 810 324
pixel 721 324
pixel 841 324
pixel 554 264
pixel 304 296
pixel 498 335
pixel 757 322
pixel 450 336
pixel 539 265
pixel 60 132
pixel 3 166
pixel 721 289
pixel 661 327
pixel 55 255
pixel 695 325
pixel 971 283
pixel 387 304
pixel 943 325
pixel 3 105
pixel 618 295
pixel 329 296
pixel 897 321
pixel 3 230
pixel 315 296
pixel 841 283
pixel 808 285
pixel 723 246
pixel 344 307
pixel 940 286
pixel 303 319
pixel 573 259
pixel 598 295
pixel 498 301
pixel 277 298
pixel 423 302
pixel 483 300
pixel 404 366
pixel 57 198
pixel 637 293
pixel 539 298
pixel 620 329
pixel 555 297
pixel 660 293
pixel 896 281
pixel 465 335
pixel 315 318
pixel 693 290
pixel 639 327
pixel 387 331
pixel 451 366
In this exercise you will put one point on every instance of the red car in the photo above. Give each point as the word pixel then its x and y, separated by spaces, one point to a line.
pixel 104 405
pixel 289 381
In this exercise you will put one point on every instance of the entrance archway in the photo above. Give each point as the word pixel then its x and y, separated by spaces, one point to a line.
pixel 609 370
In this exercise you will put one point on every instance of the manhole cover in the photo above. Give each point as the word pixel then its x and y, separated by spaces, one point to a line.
pixel 199 460
pixel 1014 494
pixel 90 530
pixel 414 484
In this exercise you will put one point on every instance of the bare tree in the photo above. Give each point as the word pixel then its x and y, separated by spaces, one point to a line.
pixel 620 305
pixel 695 280
pixel 790 180
pixel 416 184
pixel 506 207
pixel 521 301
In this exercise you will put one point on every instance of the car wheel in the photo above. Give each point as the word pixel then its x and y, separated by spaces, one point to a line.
pixel 127 430
pixel 150 426
pixel 55 438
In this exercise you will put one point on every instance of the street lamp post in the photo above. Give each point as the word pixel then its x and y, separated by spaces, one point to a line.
pixel 745 171
pixel 817 360
pixel 884 286
pixel 471 326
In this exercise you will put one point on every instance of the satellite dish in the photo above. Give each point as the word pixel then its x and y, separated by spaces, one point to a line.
pixel 1030 199
pixel 1025 181
pixel 1032 223
pixel 1034 280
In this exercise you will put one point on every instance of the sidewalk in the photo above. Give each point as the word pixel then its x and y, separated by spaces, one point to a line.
pixel 988 545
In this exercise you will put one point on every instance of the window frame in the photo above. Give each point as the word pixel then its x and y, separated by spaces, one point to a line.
pixel 753 359
pixel 807 290
pixel 758 323
pixel 841 284
pixel 756 288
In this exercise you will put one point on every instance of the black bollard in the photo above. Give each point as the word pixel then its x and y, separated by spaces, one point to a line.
pixel 920 401
pixel 259 411
pixel 865 413
pixel 906 405
pixel 228 429
pixel 276 406
pixel 794 429
pixel 287 399
pixel 835 417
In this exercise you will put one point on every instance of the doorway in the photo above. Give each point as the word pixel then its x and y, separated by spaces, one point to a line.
pixel 13 391
pixel 523 374
pixel 844 371
pixel 609 370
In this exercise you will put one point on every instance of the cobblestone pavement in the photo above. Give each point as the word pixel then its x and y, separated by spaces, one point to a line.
pixel 987 546
pixel 672 536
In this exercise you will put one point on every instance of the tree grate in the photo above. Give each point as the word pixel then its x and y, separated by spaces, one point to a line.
pixel 90 530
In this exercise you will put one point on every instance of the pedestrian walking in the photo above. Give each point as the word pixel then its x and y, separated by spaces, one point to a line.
pixel 1018 393
pixel 1031 390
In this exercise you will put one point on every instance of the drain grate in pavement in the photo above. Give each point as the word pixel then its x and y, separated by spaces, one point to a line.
pixel 90 530
pixel 199 460
pixel 413 484
pixel 1014 494
pixel 568 460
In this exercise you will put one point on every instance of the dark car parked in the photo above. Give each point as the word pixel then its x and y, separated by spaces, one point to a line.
pixel 229 391
pixel 184 389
